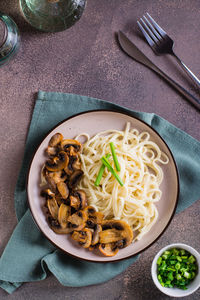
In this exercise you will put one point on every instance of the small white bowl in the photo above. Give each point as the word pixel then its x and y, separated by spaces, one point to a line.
pixel 176 292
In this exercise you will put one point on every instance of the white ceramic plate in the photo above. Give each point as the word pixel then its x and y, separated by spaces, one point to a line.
pixel 93 122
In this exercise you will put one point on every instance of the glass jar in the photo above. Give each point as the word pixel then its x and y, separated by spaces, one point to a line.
pixel 9 38
pixel 52 15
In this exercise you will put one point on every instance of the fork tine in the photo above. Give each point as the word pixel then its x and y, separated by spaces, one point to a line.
pixel 154 38
pixel 153 29
pixel 147 37
pixel 158 28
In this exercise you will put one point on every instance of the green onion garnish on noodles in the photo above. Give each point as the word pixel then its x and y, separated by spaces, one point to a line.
pixel 101 170
pixel 112 147
pixel 109 167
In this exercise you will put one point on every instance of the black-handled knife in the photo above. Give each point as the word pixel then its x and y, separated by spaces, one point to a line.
pixel 136 54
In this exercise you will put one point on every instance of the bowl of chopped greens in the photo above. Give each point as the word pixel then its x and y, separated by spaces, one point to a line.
pixel 176 270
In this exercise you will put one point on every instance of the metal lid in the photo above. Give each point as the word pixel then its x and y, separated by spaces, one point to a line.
pixel 3 32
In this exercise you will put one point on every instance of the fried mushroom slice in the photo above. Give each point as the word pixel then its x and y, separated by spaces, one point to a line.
pixel 55 139
pixel 63 214
pixel 53 148
pixel 59 199
pixel 73 164
pixel 83 237
pixel 115 231
pixel 51 151
pixel 94 217
pixel 55 226
pixel 58 162
pixel 47 194
pixel 78 220
pixel 63 189
pixel 72 146
pixel 53 178
pixel 75 178
pixel 109 249
pixel 96 234
pixel 53 207
pixel 78 199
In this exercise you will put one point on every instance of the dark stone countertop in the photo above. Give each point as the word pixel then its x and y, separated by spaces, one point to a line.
pixel 86 59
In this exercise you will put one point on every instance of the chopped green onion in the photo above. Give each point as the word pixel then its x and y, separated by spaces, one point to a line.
pixel 179 258
pixel 178 277
pixel 187 275
pixel 191 259
pixel 182 252
pixel 112 147
pixel 110 168
pixel 159 260
pixel 101 170
pixel 176 267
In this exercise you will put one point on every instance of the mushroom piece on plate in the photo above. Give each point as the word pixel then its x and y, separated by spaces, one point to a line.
pixel 55 139
pixel 63 214
pixel 73 164
pixel 72 146
pixel 75 178
pixel 53 207
pixel 78 220
pixel 109 249
pixel 53 178
pixel 94 217
pixel 78 199
pixel 58 162
pixel 47 194
pixel 83 237
pixel 53 148
pixel 56 227
pixel 63 189
pixel 116 231
pixel 96 234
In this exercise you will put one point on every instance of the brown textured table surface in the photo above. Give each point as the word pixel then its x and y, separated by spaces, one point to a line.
pixel 86 59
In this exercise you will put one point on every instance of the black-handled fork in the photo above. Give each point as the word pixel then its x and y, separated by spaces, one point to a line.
pixel 161 43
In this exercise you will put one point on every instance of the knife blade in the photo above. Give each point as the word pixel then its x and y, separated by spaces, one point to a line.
pixel 129 48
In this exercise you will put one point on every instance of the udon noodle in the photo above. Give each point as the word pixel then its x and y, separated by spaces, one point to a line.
pixel 139 160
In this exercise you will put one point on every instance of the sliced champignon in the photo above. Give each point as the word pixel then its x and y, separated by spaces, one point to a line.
pixel 96 234
pixel 108 249
pixel 55 226
pixel 53 207
pixel 59 199
pixel 70 146
pixel 60 230
pixel 94 217
pixel 57 163
pixel 51 151
pixel 78 199
pixel 74 164
pixel 75 178
pixel 53 178
pixel 90 210
pixel 78 220
pixel 47 194
pixel 43 180
pixel 74 202
pixel 63 214
pixel 115 231
pixel 53 148
pixel 63 189
pixel 83 237
pixel 55 139
pixel 91 248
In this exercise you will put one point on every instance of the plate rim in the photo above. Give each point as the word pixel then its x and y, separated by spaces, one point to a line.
pixel 177 179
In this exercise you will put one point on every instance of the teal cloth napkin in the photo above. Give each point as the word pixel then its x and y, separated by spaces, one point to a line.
pixel 29 255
